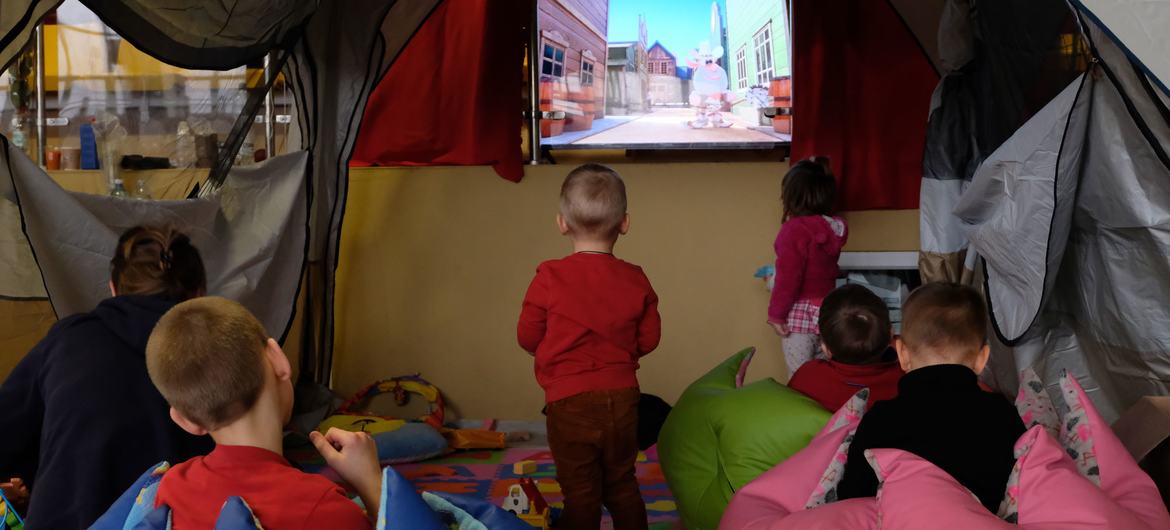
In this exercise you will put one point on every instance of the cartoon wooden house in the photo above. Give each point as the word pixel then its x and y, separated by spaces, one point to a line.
pixel 572 59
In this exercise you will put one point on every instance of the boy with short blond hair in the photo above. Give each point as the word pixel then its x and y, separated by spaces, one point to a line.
pixel 588 318
pixel 222 375
pixel 940 413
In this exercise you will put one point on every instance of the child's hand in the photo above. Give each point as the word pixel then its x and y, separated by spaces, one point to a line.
pixel 780 327
pixel 354 456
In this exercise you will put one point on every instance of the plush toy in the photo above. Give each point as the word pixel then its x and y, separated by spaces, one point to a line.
pixel 708 87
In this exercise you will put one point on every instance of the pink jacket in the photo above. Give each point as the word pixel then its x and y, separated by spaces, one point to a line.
pixel 807 249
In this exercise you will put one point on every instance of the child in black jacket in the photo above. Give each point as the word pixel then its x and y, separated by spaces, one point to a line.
pixel 940 413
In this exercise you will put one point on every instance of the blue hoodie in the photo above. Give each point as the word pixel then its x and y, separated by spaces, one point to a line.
pixel 80 419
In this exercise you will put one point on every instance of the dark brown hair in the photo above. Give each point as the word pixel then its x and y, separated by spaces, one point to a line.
pixel 855 325
pixel 946 320
pixel 205 356
pixel 809 189
pixel 154 260
pixel 593 200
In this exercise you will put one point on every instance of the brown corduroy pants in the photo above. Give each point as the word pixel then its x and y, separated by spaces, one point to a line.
pixel 594 441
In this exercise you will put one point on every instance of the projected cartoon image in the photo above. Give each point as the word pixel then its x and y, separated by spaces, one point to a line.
pixel 708 87
pixel 656 73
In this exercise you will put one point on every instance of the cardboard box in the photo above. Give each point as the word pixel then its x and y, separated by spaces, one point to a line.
pixel 1145 431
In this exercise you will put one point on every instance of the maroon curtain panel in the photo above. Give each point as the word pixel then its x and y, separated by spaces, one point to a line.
pixel 454 95
pixel 861 95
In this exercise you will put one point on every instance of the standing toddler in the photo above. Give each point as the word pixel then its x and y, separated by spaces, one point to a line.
pixel 807 249
pixel 588 318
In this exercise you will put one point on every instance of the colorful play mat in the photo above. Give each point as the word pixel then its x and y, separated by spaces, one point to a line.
pixel 488 475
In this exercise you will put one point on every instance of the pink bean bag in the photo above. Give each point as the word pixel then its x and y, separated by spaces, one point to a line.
pixel 1087 480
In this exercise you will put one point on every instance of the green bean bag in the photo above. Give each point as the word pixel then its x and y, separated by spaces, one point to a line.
pixel 722 434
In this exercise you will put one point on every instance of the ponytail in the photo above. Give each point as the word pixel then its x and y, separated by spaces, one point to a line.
pixel 153 260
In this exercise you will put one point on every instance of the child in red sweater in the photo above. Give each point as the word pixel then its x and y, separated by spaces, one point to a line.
pixel 855 335
pixel 588 318
pixel 222 375
pixel 807 249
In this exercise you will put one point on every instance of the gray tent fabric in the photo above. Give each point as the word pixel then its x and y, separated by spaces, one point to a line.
pixel 1085 292
pixel 17 23
pixel 336 67
pixel 252 233
pixel 1005 62
pixel 1020 200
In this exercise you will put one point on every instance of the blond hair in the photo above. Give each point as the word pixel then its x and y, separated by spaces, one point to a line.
pixel 593 200
pixel 945 321
pixel 205 357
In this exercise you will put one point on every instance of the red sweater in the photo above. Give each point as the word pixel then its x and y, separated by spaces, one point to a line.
pixel 281 497
pixel 807 250
pixel 588 318
pixel 831 383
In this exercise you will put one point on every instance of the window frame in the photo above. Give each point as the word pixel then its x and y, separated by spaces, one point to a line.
pixel 741 68
pixel 545 44
pixel 591 70
pixel 762 46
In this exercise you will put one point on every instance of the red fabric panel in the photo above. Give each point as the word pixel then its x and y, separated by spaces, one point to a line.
pixel 453 96
pixel 861 95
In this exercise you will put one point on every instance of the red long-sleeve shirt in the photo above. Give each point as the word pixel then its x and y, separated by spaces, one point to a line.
pixel 588 318
pixel 807 250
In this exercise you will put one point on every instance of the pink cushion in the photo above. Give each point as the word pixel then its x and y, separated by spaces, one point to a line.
pixel 1121 478
pixel 1053 493
pixel 850 514
pixel 915 494
pixel 788 487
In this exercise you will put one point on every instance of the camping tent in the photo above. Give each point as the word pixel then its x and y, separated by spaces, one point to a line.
pixel 1046 179
pixel 333 54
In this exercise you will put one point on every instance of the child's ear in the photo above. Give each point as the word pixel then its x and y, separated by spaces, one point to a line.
pixel 186 424
pixel 278 360
pixel 825 348
pixel 562 225
pixel 981 360
pixel 903 355
pixel 625 226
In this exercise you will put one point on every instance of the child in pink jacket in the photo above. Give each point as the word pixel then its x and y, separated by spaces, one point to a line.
pixel 807 249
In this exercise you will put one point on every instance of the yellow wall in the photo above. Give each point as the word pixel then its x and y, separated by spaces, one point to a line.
pixel 435 262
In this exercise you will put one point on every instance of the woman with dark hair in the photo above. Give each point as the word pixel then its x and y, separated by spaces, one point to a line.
pixel 79 417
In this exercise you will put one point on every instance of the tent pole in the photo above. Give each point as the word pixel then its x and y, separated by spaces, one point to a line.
pixel 533 88
pixel 269 110
pixel 40 65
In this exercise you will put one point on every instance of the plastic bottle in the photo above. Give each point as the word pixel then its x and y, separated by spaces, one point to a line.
pixel 184 146
pixel 18 138
pixel 141 191
pixel 89 156
pixel 119 190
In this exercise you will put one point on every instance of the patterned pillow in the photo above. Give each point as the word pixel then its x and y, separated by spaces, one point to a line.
pixel 1071 428
pixel 849 415
pixel 1034 404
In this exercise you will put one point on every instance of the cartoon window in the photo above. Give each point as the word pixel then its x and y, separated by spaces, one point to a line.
pixel 762 42
pixel 552 61
pixel 741 68
pixel 587 72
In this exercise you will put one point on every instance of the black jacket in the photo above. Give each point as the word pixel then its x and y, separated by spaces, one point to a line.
pixel 80 419
pixel 943 416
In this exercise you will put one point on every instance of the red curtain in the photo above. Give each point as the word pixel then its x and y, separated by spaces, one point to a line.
pixel 861 94
pixel 453 97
